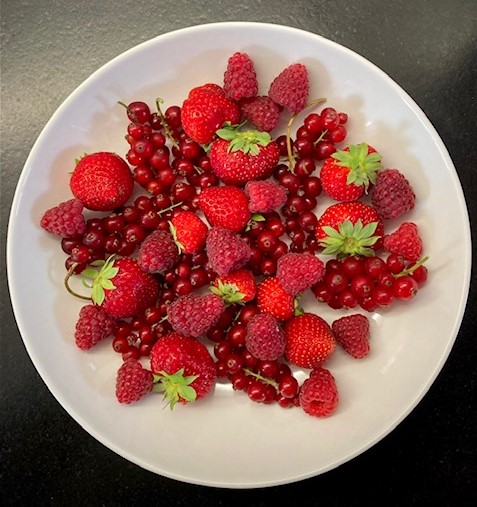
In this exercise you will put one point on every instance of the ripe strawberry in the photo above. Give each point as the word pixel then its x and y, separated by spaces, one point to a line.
pixel 297 272
pixel 158 252
pixel 183 367
pixel 309 341
pixel 132 382
pixel 350 228
pixel 240 79
pixel 93 326
pixel 291 87
pixel 262 112
pixel 205 111
pixel 189 232
pixel 265 196
pixel 236 287
pixel 265 339
pixel 347 174
pixel 193 315
pixel 240 156
pixel 121 288
pixel 225 206
pixel 392 194
pixel 352 333
pixel 102 181
pixel 405 241
pixel 274 300
pixel 226 251
pixel 318 394
pixel 65 220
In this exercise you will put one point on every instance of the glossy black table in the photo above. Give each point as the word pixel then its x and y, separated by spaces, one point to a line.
pixel 48 48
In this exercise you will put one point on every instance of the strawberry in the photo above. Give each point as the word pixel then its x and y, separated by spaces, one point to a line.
pixel 347 174
pixel 193 315
pixel 405 241
pixel 183 368
pixel 236 287
pixel 274 300
pixel 189 232
pixel 318 394
pixel 309 341
pixel 350 228
pixel 102 181
pixel 352 333
pixel 120 287
pixel 225 206
pixel 133 382
pixel 205 111
pixel 241 156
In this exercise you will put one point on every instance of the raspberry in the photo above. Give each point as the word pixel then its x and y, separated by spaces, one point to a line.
pixel 392 194
pixel 297 272
pixel 265 196
pixel 240 79
pixel 132 382
pixel 265 339
pixel 194 315
pixel 158 252
pixel 352 333
pixel 405 241
pixel 291 87
pixel 93 326
pixel 319 394
pixel 227 251
pixel 262 112
pixel 65 220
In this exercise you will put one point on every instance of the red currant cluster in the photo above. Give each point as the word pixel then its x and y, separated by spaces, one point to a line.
pixel 370 282
pixel 263 381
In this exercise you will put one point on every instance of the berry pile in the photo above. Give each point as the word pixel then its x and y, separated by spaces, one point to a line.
pixel 201 275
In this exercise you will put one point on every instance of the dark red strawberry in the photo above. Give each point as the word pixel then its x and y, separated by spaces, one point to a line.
pixel 241 156
pixel 183 368
pixel 350 228
pixel 102 181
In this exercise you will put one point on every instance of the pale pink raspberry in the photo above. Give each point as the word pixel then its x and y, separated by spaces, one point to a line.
pixel 265 339
pixel 265 196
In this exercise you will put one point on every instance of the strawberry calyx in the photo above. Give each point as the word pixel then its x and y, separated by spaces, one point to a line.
pixel 363 167
pixel 247 141
pixel 173 230
pixel 100 279
pixel 229 292
pixel 350 239
pixel 175 386
pixel 256 217
pixel 297 309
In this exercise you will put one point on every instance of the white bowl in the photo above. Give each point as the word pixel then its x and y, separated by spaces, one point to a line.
pixel 226 440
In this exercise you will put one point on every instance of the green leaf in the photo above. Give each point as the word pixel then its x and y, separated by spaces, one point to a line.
pixel 256 217
pixel 97 295
pixel 89 273
pixel 349 239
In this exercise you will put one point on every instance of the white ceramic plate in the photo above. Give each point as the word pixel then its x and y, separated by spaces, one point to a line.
pixel 226 440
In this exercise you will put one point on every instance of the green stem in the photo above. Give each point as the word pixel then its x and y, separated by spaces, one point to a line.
pixel 266 380
pixel 69 274
pixel 411 269
pixel 167 130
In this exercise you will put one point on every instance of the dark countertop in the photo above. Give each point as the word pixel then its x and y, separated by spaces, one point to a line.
pixel 48 48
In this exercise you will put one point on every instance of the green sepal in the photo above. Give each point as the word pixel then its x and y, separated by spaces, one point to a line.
pixel 363 168
pixel 256 217
pixel 175 387
pixel 247 141
pixel 350 239
pixel 173 230
pixel 229 292
pixel 101 278
pixel 298 309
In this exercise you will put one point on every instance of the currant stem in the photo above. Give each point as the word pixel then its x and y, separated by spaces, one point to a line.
pixel 128 110
pixel 291 159
pixel 68 288
pixel 169 208
pixel 268 381
pixel 410 270
pixel 167 130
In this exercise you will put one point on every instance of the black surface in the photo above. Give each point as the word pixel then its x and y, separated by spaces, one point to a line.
pixel 48 49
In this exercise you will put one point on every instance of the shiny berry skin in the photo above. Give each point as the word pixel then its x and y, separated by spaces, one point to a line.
pixel 405 288
pixel 374 266
pixel 353 266
pixel 395 263
pixel 288 386
pixel 420 275
pixel 257 391
pixel 312 187
pixel 138 112
pixel 382 296
pixel 336 282
pixel 362 285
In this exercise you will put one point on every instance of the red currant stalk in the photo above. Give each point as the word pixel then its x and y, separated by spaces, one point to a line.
pixel 411 269
pixel 257 376
pixel 167 130
pixel 291 159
